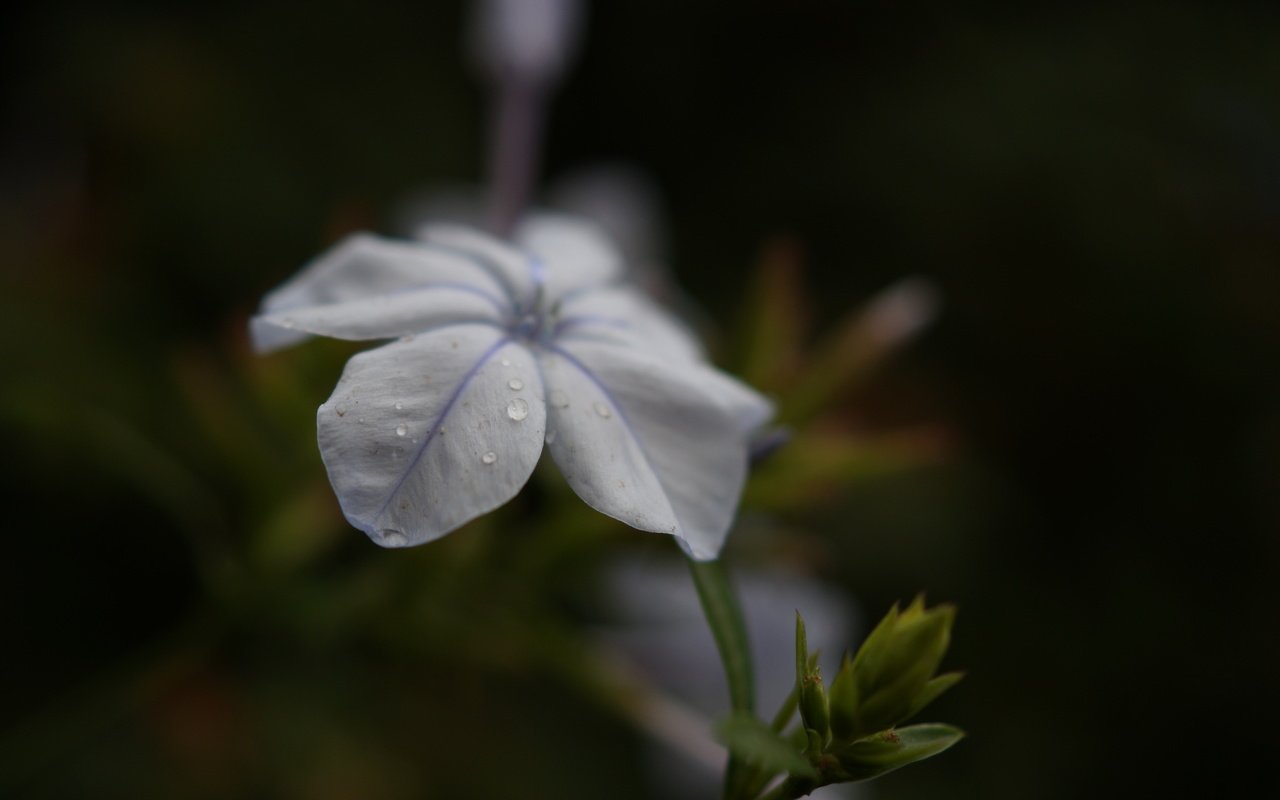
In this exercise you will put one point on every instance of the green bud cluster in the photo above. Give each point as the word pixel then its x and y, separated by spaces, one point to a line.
pixel 850 731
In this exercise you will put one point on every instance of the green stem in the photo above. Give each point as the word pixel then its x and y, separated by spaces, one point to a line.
pixel 724 614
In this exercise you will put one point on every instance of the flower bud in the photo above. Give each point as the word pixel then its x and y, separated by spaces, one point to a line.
pixel 532 38
pixel 809 690
pixel 893 672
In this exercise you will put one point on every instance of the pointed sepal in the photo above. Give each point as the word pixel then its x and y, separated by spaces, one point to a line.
pixel 874 755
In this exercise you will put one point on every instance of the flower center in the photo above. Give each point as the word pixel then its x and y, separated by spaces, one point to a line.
pixel 534 323
pixel 529 327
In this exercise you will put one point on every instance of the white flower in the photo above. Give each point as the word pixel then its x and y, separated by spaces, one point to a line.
pixel 499 349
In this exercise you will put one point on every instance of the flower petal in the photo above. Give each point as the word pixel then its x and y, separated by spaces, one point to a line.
pixel 749 407
pixel 623 315
pixel 645 440
pixel 577 254
pixel 420 436
pixel 362 266
pixel 515 270
pixel 383 316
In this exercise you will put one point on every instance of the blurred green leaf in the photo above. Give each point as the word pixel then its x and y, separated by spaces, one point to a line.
pixel 755 741
pixel 817 464
pixel 775 319
pixel 857 345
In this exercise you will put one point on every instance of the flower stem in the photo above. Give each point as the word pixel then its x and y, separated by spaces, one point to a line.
pixel 514 157
pixel 724 614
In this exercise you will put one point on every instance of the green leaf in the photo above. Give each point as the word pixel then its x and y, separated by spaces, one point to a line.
pixel 921 637
pixel 891 703
pixel 802 651
pixel 724 615
pixel 755 741
pixel 867 663
pixel 895 665
pixel 785 712
pixel 886 751
pixel 843 701
pixel 775 324
pixel 933 689
pixel 850 352
pixel 788 708
pixel 813 697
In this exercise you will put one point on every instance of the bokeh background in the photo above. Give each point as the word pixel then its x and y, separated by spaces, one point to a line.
pixel 1082 451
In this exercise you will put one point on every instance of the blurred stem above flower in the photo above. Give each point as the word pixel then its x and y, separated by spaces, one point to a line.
pixel 522 47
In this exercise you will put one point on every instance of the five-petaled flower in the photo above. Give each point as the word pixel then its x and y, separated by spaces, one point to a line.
pixel 499 347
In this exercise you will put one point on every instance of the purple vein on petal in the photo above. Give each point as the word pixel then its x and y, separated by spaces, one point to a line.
pixel 439 420
pixel 569 323
pixel 617 407
pixel 450 286
pixel 484 262
pixel 537 271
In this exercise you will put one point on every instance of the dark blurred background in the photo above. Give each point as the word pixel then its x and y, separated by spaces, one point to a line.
pixel 1095 190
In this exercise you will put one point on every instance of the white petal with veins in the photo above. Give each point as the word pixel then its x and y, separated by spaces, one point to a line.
pixel 363 265
pixel 383 316
pixel 577 253
pixel 623 315
pixel 645 441
pixel 508 265
pixel 418 436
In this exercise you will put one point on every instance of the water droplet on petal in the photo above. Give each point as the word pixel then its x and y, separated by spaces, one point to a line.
pixel 603 410
pixel 516 384
pixel 517 409
pixel 360 420
pixel 506 362
pixel 399 406
pixel 401 429
pixel 489 457
pixel 558 398
pixel 551 435
pixel 390 537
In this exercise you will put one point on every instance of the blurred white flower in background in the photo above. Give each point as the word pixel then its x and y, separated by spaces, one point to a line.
pixel 619 198
pixel 531 38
